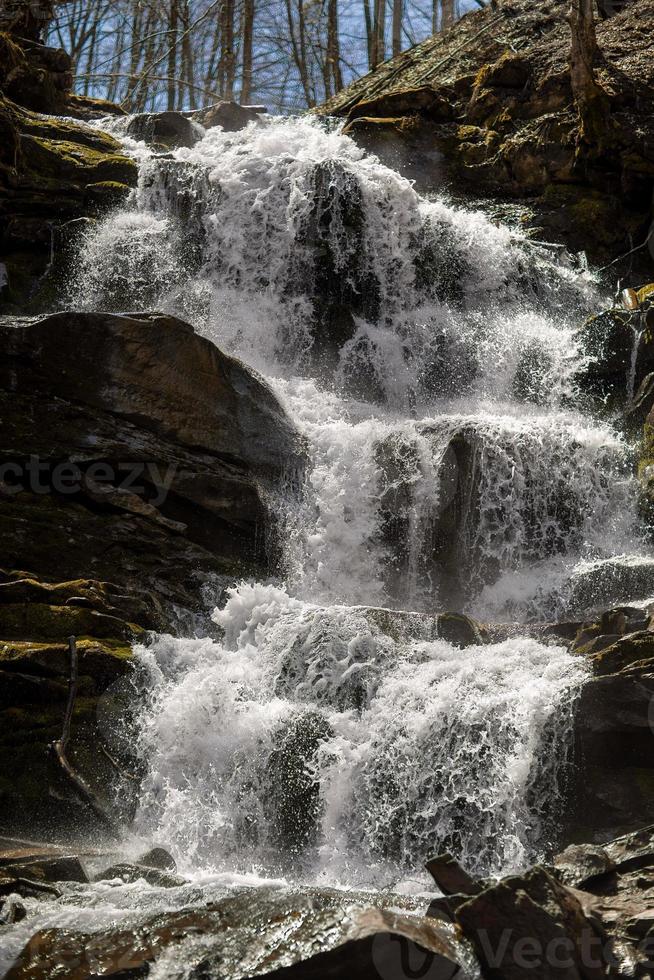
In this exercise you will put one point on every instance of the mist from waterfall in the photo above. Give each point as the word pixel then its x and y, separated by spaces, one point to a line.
pixel 429 358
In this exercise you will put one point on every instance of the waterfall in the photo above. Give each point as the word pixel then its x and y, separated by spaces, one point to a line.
pixel 312 740
pixel 429 357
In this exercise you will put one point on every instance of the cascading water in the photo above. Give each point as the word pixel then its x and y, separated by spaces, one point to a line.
pixel 429 358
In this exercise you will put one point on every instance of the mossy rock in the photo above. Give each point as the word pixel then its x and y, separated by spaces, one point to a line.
pixel 100 660
pixel 55 160
pixel 40 621
pixel 608 654
pixel 460 630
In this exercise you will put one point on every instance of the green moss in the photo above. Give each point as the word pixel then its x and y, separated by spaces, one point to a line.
pixel 66 131
pixel 52 161
pixel 39 621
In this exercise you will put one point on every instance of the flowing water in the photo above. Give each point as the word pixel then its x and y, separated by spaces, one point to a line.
pixel 327 732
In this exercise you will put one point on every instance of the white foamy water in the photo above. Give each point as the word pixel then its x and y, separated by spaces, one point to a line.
pixel 429 358
pixel 312 742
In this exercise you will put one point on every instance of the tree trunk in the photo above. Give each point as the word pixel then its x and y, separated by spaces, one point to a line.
pixel 172 53
pixel 248 35
pixel 188 60
pixel 397 27
pixel 333 46
pixel 447 14
pixel 227 59
pixel 378 32
pixel 367 16
pixel 590 98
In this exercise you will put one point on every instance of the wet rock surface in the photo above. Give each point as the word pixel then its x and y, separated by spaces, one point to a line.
pixel 259 932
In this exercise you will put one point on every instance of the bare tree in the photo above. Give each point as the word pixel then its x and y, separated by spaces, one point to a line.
pixel 248 39
pixel 155 54
pixel 398 10
pixel 378 34
pixel 590 98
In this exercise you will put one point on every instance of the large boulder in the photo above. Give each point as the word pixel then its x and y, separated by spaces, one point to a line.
pixel 169 441
pixel 532 925
pixel 230 116
pixel 137 457
pixel 164 129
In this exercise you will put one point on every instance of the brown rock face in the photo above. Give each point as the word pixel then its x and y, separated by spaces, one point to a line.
pixel 140 395
pixel 503 72
pixel 136 457
pixel 53 172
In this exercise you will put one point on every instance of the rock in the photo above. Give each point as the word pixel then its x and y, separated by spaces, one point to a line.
pixel 165 129
pixel 640 406
pixel 580 862
pixel 604 583
pixel 532 923
pixel 12 910
pixel 193 429
pixel 292 789
pixel 425 101
pixel 492 95
pixel 620 900
pixel 619 351
pixel 612 785
pixel 155 371
pixel 34 75
pixel 258 932
pixel 34 674
pixel 450 877
pixel 159 858
pixel 459 630
pixel 511 70
pixel 129 873
pixel 48 870
pixel 228 115
pixel 13 885
pixel 200 436
pixel 404 143
pixel 52 173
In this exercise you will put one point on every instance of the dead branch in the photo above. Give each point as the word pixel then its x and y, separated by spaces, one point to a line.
pixel 58 749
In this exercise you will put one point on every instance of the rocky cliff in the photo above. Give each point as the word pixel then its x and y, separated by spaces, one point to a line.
pixel 486 108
